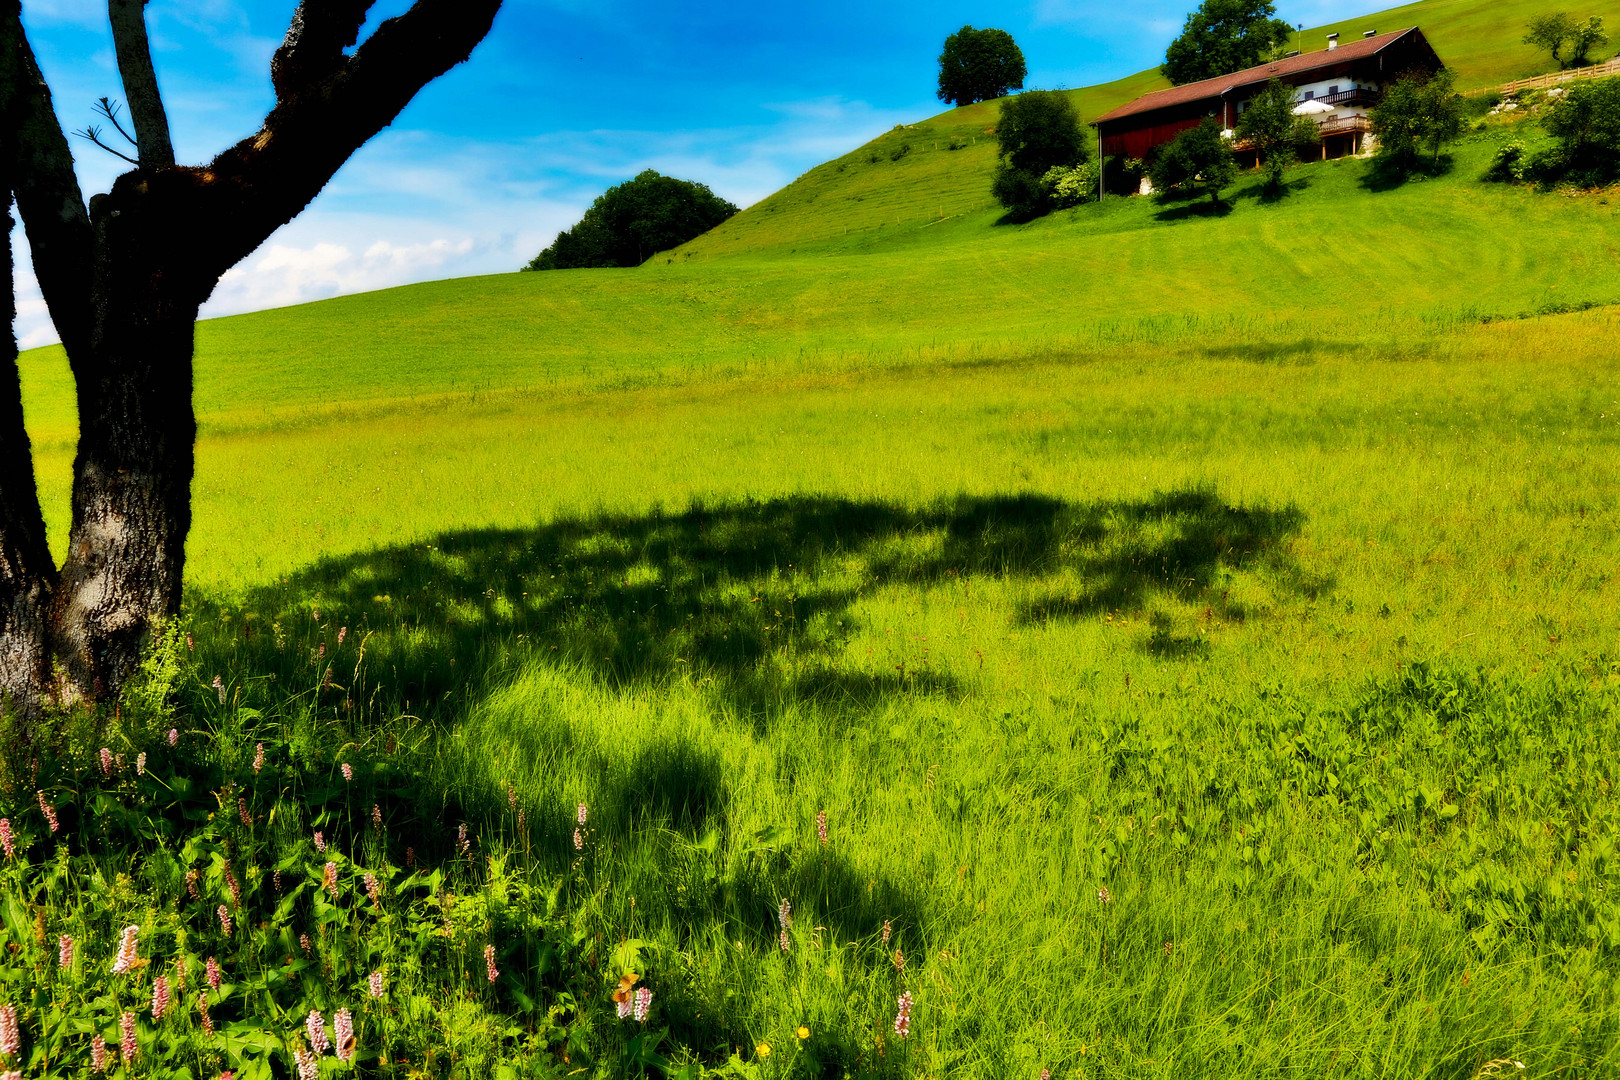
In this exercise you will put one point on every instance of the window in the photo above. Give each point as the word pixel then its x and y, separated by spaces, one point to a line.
pixel 1332 90
pixel 1309 94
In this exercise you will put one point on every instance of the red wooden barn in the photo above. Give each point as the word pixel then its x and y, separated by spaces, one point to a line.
pixel 1344 81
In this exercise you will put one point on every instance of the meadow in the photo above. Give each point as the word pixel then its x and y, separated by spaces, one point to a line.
pixel 1157 643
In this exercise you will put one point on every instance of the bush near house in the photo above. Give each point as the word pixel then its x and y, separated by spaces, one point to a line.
pixel 1418 115
pixel 1198 160
pixel 1038 132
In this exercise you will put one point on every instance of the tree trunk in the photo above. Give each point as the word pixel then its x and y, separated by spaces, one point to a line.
pixel 132 475
pixel 27 574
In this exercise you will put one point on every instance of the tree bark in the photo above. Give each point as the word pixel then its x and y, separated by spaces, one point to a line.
pixel 152 145
pixel 27 573
pixel 124 284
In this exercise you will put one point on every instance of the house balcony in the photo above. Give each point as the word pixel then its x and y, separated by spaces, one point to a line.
pixel 1346 125
pixel 1358 95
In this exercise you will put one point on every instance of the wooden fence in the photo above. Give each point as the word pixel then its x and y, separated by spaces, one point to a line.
pixel 1553 78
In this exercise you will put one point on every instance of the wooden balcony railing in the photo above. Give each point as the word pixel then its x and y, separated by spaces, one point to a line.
pixel 1356 95
pixel 1346 125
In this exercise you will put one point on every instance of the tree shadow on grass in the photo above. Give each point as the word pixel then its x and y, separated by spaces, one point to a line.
pixel 1183 208
pixel 1386 174
pixel 759 598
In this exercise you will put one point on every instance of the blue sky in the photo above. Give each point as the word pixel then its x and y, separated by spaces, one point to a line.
pixel 564 98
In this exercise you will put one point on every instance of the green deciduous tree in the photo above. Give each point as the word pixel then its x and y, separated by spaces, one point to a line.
pixel 630 223
pixel 1199 159
pixel 123 277
pixel 1556 32
pixel 1038 132
pixel 1419 112
pixel 1586 122
pixel 1279 136
pixel 1223 36
pixel 978 65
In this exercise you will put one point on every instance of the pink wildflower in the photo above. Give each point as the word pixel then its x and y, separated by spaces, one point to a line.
pixel 126 951
pixel 315 1026
pixel 902 1019
pixel 821 828
pixel 376 819
pixel 329 879
pixel 1046 1074
pixel 106 762
pixel 410 857
pixel 582 813
pixel 192 877
pixel 64 951
pixel 227 1075
pixel 348 771
pixel 127 1045
pixel 203 1018
pixel 191 643
pixel 888 928
pixel 376 982
pixel 343 632
pixel 174 736
pixel 13 1074
pixel 309 1066
pixel 579 840
pixel 373 888
pixel 462 843
pixel 242 813
pixel 10 1033
pixel 489 963
pixel 520 821
pixel 899 959
pixel 643 1003
pixel 275 880
pixel 235 887
pixel 1103 896
pixel 258 757
pixel 140 763
pixel 303 943
pixel 626 1007
pixel 782 941
pixel 160 997
pixel 98 1054
pixel 211 973
pixel 343 1029
pixel 48 810
pixel 7 842
pixel 225 919
pixel 784 914
pixel 511 797
pixel 320 841
pixel 219 688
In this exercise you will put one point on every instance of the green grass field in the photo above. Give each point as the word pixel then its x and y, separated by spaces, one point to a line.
pixel 1254 570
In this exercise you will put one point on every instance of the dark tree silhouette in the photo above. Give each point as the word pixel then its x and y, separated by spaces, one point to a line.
pixel 631 222
pixel 979 65
pixel 123 279
pixel 1224 36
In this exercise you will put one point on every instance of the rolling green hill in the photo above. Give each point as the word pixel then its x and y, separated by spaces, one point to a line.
pixel 871 196
pixel 1194 631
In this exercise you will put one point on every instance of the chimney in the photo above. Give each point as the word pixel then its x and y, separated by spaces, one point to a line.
pixel 1369 33
pixel 1333 41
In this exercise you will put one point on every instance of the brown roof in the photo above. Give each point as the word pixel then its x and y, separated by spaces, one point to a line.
pixel 1293 65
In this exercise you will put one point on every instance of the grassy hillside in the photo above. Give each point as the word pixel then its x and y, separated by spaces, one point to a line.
pixel 867 197
pixel 1198 630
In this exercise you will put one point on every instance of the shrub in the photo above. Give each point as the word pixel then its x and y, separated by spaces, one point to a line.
pixel 1223 36
pixel 1070 186
pixel 633 221
pixel 1199 159
pixel 1038 132
pixel 1511 163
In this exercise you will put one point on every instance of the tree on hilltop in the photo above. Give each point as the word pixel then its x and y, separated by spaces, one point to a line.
pixel 979 65
pixel 1038 132
pixel 1556 31
pixel 123 278
pixel 633 221
pixel 1224 36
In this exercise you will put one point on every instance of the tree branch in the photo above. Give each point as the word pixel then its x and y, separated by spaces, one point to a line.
pixel 313 49
pixel 328 106
pixel 93 134
pixel 37 157
pixel 128 18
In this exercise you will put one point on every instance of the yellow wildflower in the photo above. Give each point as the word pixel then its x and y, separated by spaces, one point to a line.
pixel 803 1032
pixel 763 1049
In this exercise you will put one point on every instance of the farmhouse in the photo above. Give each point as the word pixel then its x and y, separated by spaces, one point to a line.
pixel 1335 87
